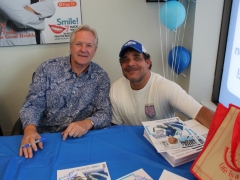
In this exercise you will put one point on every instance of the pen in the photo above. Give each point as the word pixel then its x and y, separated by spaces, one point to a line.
pixel 37 141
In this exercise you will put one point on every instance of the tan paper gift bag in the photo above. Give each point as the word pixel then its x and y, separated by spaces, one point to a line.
pixel 220 157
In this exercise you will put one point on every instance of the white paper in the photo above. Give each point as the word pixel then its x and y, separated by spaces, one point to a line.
pixel 93 171
pixel 177 155
pixel 167 175
pixel 66 18
pixel 173 133
pixel 136 175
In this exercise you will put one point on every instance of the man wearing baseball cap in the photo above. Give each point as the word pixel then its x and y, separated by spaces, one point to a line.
pixel 142 95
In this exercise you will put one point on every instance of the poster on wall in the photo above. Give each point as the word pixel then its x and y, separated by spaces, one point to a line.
pixel 29 22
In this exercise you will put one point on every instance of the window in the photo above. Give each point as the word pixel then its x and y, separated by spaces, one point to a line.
pixel 226 88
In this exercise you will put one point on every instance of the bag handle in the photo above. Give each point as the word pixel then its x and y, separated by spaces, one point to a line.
pixel 218 118
pixel 235 140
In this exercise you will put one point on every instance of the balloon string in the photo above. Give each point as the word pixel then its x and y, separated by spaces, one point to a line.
pixel 184 75
pixel 181 44
pixel 178 63
pixel 184 27
pixel 174 36
pixel 166 38
pixel 173 61
pixel 185 22
pixel 175 52
pixel 160 40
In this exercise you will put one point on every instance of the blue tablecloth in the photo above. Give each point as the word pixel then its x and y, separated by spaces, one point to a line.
pixel 123 148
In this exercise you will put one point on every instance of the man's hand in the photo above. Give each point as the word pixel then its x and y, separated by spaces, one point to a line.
pixel 205 117
pixel 77 129
pixel 30 136
pixel 28 8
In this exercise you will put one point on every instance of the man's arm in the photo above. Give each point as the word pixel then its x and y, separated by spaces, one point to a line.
pixel 187 105
pixel 205 116
pixel 77 129
pixel 116 118
pixel 31 113
pixel 21 17
pixel 30 135
pixel 28 8
pixel 35 102
pixel 45 9
pixel 103 114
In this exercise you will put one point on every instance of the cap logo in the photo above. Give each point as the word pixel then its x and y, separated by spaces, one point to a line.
pixel 129 43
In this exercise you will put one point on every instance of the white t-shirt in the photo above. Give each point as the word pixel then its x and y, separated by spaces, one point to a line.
pixel 159 99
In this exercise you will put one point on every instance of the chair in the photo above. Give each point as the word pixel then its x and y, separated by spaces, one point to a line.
pixel 17 128
pixel 1 133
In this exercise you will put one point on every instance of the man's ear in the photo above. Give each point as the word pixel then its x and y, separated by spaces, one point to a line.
pixel 149 62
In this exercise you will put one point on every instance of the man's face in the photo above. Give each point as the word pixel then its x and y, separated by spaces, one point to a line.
pixel 82 48
pixel 134 66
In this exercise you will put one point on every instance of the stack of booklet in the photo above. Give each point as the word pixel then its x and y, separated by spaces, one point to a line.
pixel 176 140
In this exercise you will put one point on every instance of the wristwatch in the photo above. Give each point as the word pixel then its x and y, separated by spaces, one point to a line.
pixel 92 124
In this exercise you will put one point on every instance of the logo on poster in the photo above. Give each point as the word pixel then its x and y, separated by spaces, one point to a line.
pixel 64 25
pixel 227 166
pixel 12 34
pixel 56 29
pixel 69 21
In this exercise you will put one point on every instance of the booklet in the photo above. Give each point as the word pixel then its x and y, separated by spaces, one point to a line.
pixel 176 161
pixel 181 149
pixel 93 171
pixel 167 175
pixel 173 133
pixel 136 175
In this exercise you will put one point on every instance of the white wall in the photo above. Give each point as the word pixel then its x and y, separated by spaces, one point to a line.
pixel 16 67
pixel 204 50
pixel 116 22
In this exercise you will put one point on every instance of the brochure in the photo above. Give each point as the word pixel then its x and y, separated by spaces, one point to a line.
pixel 167 175
pixel 136 175
pixel 178 144
pixel 173 133
pixel 93 171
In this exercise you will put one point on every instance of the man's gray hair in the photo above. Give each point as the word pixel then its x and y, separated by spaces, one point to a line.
pixel 84 28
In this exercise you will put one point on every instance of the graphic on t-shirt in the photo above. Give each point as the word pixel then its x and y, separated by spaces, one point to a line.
pixel 150 111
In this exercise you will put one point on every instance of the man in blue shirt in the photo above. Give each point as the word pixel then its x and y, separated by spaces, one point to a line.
pixel 68 94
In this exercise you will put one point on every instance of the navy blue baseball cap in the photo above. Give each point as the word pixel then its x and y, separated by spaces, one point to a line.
pixel 133 44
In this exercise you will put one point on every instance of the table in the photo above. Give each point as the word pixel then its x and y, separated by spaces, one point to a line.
pixel 123 148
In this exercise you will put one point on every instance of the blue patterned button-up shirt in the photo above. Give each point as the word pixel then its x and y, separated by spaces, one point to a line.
pixel 57 97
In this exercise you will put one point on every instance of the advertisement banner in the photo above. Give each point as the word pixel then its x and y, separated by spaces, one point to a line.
pixel 66 18
pixel 28 22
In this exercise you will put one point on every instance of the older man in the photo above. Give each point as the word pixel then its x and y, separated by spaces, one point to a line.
pixel 142 95
pixel 68 94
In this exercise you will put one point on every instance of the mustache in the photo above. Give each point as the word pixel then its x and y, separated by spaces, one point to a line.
pixel 131 69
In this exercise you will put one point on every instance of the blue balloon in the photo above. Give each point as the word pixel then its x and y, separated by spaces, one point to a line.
pixel 178 59
pixel 172 14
